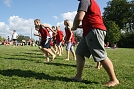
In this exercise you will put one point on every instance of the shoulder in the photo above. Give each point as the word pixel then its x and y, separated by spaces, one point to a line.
pixel 69 28
pixel 84 5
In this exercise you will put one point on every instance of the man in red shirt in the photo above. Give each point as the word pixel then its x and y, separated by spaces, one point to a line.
pixel 92 42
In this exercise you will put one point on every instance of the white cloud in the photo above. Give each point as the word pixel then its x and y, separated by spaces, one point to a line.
pixel 55 17
pixel 8 2
pixel 69 15
pixel 22 26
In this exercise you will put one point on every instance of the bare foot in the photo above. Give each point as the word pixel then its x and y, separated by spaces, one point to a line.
pixel 67 59
pixel 44 55
pixel 75 58
pixel 76 79
pixel 47 60
pixel 98 67
pixel 59 55
pixel 53 57
pixel 111 83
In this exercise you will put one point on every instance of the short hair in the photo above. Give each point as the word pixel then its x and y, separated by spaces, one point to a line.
pixel 36 20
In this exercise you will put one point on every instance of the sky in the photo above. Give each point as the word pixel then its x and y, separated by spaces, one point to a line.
pixel 19 15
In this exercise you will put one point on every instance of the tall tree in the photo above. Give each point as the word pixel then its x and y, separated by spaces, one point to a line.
pixel 118 11
pixel 113 32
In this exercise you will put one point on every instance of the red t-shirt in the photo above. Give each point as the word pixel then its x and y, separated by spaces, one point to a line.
pixel 73 39
pixel 92 19
pixel 44 33
pixel 68 33
pixel 59 36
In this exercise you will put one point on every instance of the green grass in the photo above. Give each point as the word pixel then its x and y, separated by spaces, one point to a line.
pixel 23 68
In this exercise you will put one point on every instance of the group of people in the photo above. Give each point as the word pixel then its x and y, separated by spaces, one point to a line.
pixel 92 42
pixel 11 41
pixel 52 39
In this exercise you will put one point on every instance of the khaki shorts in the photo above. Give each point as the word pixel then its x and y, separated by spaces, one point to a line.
pixel 93 44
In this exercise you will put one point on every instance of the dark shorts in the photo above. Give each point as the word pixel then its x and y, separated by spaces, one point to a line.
pixel 14 39
pixel 46 43
pixel 58 43
pixel 93 44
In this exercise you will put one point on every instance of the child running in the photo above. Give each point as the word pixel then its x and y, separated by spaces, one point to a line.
pixel 45 38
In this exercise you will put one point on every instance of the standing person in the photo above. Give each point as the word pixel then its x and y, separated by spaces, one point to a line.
pixel 59 39
pixel 69 36
pixel 92 42
pixel 8 40
pixel 14 37
pixel 54 40
pixel 45 38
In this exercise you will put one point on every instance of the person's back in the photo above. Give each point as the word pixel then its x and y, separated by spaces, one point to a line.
pixel 44 33
pixel 92 19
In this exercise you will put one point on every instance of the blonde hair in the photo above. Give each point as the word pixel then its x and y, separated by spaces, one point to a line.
pixel 68 22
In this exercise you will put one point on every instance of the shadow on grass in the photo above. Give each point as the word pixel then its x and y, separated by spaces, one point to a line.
pixel 32 74
pixel 60 64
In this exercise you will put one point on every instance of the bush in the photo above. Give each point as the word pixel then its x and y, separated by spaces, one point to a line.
pixel 127 40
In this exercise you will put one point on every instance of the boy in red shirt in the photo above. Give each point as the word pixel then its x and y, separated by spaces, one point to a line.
pixel 59 39
pixel 45 38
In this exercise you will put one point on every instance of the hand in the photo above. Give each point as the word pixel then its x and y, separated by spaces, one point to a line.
pixel 34 34
pixel 69 40
pixel 73 29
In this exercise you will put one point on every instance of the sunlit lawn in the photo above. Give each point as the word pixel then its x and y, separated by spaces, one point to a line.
pixel 23 68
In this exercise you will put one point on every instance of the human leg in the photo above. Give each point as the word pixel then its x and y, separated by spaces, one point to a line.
pixel 59 47
pixel 47 58
pixel 48 50
pixel 80 65
pixel 108 66
pixel 81 51
pixel 67 55
pixel 98 65
pixel 68 46
pixel 96 41
pixel 73 53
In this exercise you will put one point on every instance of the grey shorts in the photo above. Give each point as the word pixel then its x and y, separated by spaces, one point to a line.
pixel 69 46
pixel 93 44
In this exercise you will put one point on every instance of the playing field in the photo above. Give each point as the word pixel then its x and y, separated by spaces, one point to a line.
pixel 22 67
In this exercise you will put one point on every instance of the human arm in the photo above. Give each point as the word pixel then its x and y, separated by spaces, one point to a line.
pixel 47 26
pixel 69 40
pixel 37 35
pixel 78 18
pixel 82 9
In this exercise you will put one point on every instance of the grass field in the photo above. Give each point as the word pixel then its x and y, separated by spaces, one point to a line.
pixel 23 68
